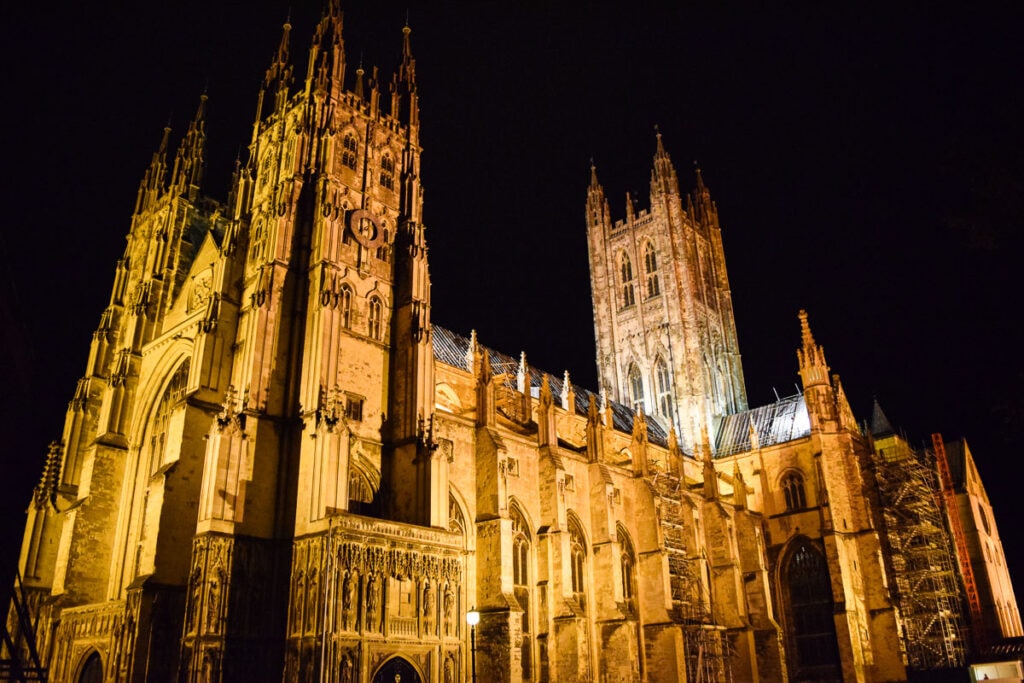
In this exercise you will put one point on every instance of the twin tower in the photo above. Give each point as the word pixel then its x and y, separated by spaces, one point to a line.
pixel 252 477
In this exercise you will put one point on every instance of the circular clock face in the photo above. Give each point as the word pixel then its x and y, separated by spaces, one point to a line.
pixel 365 228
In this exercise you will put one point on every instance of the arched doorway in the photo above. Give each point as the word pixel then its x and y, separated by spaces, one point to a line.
pixel 812 627
pixel 92 669
pixel 397 670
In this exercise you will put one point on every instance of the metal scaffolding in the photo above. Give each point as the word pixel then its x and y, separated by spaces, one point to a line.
pixel 19 657
pixel 927 587
pixel 708 648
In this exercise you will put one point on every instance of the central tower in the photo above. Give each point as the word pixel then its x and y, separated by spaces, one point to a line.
pixel 666 337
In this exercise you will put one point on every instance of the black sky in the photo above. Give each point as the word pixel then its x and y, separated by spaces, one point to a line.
pixel 867 164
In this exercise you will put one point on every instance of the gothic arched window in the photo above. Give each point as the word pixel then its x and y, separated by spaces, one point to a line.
pixel 651 270
pixel 793 490
pixel 521 584
pixel 810 610
pixel 92 670
pixel 158 427
pixel 360 493
pixel 348 151
pixel 636 387
pixel 387 172
pixel 345 306
pixel 663 384
pixel 628 565
pixel 626 275
pixel 384 250
pixel 578 563
pixel 376 310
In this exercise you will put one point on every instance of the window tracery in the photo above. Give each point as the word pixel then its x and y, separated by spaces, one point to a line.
pixel 578 563
pixel 628 565
pixel 663 385
pixel 626 276
pixel 387 172
pixel 348 151
pixel 376 310
pixel 345 306
pixel 793 491
pixel 636 387
pixel 651 270
pixel 521 547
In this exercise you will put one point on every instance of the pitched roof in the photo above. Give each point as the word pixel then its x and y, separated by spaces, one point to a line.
pixel 451 348
pixel 775 423
pixel 880 425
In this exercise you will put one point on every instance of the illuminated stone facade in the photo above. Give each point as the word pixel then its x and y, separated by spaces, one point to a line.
pixel 277 468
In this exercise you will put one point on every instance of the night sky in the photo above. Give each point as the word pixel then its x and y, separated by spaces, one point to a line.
pixel 868 166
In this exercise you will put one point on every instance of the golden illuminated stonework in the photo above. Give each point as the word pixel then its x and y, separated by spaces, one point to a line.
pixel 277 467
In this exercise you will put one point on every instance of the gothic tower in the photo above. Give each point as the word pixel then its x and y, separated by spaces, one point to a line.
pixel 666 338
pixel 264 367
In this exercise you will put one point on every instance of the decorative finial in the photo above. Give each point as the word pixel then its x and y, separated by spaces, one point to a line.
pixel 805 329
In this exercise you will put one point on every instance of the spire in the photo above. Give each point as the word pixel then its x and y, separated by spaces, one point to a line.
pixel 525 387
pixel 568 395
pixel 325 72
pixel 880 425
pixel 739 488
pixel 598 212
pixel 595 436
pixel 710 475
pixel 155 177
pixel 407 70
pixel 547 433
pixel 277 80
pixel 819 394
pixel 188 164
pixel 699 203
pixel 471 349
pixel 675 455
pixel 664 180
pixel 843 410
pixel 404 98
pixel 641 467
pixel 813 368
pixel 360 88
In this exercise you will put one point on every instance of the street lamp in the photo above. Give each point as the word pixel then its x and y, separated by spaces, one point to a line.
pixel 472 618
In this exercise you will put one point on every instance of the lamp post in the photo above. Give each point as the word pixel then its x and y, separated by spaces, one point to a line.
pixel 472 618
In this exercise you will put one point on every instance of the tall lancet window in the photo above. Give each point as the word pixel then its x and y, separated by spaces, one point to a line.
pixel 375 315
pixel 626 273
pixel 813 630
pixel 521 584
pixel 345 306
pixel 387 172
pixel 628 566
pixel 636 387
pixel 348 151
pixel 651 270
pixel 793 490
pixel 663 385
pixel 578 563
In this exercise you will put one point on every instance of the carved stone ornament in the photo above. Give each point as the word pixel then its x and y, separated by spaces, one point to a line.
pixel 365 228
pixel 200 292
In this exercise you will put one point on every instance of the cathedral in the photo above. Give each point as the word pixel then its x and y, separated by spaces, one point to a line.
pixel 276 466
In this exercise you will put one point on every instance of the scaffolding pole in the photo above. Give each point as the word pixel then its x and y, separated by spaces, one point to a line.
pixel 926 585
pixel 708 649
pixel 19 657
